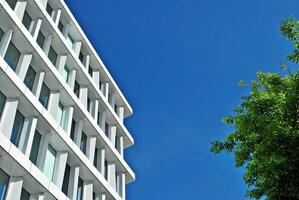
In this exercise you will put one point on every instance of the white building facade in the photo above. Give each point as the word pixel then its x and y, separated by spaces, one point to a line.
pixel 62 134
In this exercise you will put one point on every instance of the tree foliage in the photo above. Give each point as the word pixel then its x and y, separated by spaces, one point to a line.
pixel 266 135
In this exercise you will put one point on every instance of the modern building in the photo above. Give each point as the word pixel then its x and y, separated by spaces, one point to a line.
pixel 62 134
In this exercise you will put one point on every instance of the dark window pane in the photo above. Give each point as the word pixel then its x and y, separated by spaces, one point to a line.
pixel 90 71
pixel 35 147
pixel 76 88
pixel 81 57
pixel 12 56
pixel 17 128
pixel 3 184
pixel 2 103
pixel 40 39
pixel 44 95
pixel 1 34
pixel 25 195
pixel 52 56
pixel 95 160
pixel 106 129
pixel 49 9
pixel 72 136
pixel 12 3
pixel 60 26
pixel 66 178
pixel 26 20
pixel 83 142
pixel 29 78
pixel 80 189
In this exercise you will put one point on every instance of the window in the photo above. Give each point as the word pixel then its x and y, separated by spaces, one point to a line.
pixel 83 142
pixel 60 26
pixel 50 162
pixel 29 78
pixel 12 3
pixel 17 128
pixel 62 116
pixel 70 40
pixel 4 178
pixel 66 73
pixel 44 95
pixel 72 136
pixel 2 103
pixel 40 39
pixel 90 70
pixel 106 129
pixel 52 56
pixel 1 34
pixel 95 160
pixel 81 57
pixel 88 104
pixel 49 9
pixel 77 89
pixel 35 147
pixel 80 190
pixel 26 20
pixel 12 56
pixel 25 195
pixel 66 179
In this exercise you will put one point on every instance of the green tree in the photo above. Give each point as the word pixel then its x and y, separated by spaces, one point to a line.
pixel 266 130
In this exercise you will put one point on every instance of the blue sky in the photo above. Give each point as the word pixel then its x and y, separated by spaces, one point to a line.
pixel 178 63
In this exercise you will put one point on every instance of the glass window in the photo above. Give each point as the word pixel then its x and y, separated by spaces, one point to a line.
pixel 1 34
pixel 12 56
pixel 25 195
pixel 95 159
pixel 106 129
pixel 17 128
pixel 76 88
pixel 4 178
pixel 29 78
pixel 12 3
pixel 35 147
pixel 66 73
pixel 49 9
pixel 90 70
pixel 26 20
pixel 40 39
pixel 72 136
pixel 50 162
pixel 60 26
pixel 66 178
pixel 2 102
pixel 80 189
pixel 52 56
pixel 44 95
pixel 81 57
pixel 62 116
pixel 83 142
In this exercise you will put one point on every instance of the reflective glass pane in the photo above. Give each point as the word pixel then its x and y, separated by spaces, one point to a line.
pixel 40 39
pixel 66 73
pixel 83 142
pixel 49 9
pixel 66 178
pixel 2 102
pixel 52 56
pixel 26 20
pixel 24 195
pixel 80 189
pixel 50 162
pixel 12 3
pixel 1 34
pixel 12 56
pixel 17 128
pixel 35 147
pixel 60 26
pixel 44 95
pixel 29 78
pixel 3 183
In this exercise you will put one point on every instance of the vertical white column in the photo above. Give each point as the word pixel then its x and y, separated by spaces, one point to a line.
pixel 78 132
pixel 69 115
pixel 101 161
pixel 35 27
pixel 61 60
pixel 44 3
pixel 91 147
pixel 120 113
pixel 23 65
pixel 38 83
pixel 112 134
pixel 39 196
pixel 72 78
pixel 77 47
pixel 6 38
pixel 42 151
pixel 8 116
pixel 73 183
pixel 111 175
pixel 112 100
pixel 53 103
pixel 83 95
pixel 47 44
pixel 121 185
pixel 93 110
pixel 20 9
pixel 14 189
pixel 87 190
pixel 96 77
pixel 60 163
pixel 86 61
pixel 56 16
pixel 102 120
pixel 100 196
pixel 66 30
pixel 27 135
pixel 120 145
pixel 106 90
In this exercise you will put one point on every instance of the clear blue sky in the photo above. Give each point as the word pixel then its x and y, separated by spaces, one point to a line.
pixel 178 63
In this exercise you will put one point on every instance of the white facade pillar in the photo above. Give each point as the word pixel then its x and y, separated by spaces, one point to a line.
pixel 60 163
pixel 69 115
pixel 87 190
pixel 20 9
pixel 73 183
pixel 121 113
pixel 100 196
pixel 96 77
pixel 78 132
pixel 111 175
pixel 35 27
pixel 27 135
pixel 47 44
pixel 72 78
pixel 14 189
pixel 112 134
pixel 86 61
pixel 93 109
pixel 91 147
pixel 60 63
pixel 44 3
pixel 8 116
pixel 38 83
pixel 23 65
pixel 106 90
pixel 53 103
pixel 101 161
pixel 77 47
pixel 39 196
pixel 120 145
pixel 112 100
pixel 42 151
pixel 6 38
pixel 121 185
pixel 83 95
pixel 56 16
pixel 102 120
pixel 66 30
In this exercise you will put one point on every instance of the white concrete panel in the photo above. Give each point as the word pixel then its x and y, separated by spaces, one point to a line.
pixel 8 117
pixel 14 188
